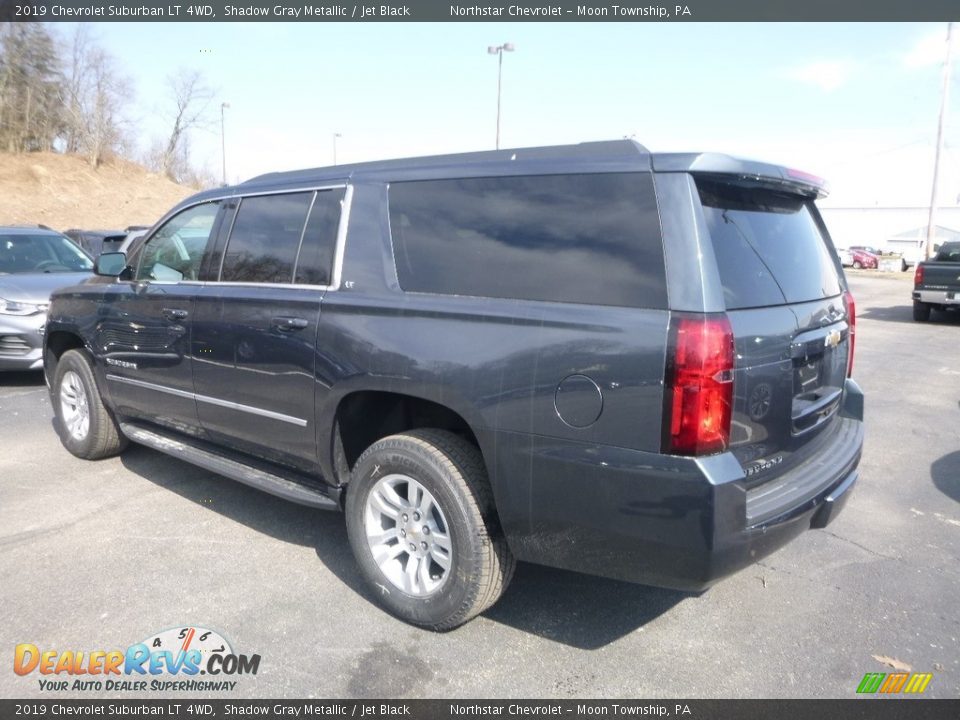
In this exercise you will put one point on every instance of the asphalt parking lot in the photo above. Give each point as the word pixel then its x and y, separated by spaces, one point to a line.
pixel 97 556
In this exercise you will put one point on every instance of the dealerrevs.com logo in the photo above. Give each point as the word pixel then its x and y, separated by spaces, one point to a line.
pixel 171 660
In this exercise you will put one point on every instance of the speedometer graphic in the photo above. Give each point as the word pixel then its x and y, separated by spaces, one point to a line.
pixel 184 639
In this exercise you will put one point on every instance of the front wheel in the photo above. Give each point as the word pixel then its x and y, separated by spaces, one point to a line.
pixel 857 265
pixel 921 311
pixel 423 527
pixel 86 427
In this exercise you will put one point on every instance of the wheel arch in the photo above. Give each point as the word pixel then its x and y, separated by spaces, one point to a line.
pixel 55 345
pixel 364 416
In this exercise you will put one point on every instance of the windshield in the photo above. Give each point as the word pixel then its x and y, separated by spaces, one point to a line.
pixel 37 253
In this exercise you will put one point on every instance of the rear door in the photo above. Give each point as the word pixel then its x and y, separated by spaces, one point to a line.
pixel 783 288
pixel 255 329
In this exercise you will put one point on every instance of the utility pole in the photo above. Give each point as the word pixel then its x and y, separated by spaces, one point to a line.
pixel 944 98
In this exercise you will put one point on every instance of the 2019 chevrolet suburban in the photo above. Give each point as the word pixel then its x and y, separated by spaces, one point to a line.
pixel 592 357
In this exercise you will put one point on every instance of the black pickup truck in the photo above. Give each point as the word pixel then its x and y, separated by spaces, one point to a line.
pixel 936 284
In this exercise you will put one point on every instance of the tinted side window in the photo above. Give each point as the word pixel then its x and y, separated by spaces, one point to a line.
pixel 769 249
pixel 174 252
pixel 569 238
pixel 265 238
pixel 315 263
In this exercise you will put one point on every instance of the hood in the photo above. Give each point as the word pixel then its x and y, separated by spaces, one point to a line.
pixel 37 287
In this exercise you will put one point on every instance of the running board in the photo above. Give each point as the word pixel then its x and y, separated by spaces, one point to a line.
pixel 312 495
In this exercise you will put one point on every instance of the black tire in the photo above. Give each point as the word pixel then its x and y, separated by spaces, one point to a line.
pixel 857 265
pixel 903 266
pixel 74 379
pixel 921 311
pixel 451 470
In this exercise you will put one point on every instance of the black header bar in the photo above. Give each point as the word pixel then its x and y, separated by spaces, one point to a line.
pixel 480 11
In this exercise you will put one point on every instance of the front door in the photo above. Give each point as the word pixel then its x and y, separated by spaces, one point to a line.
pixel 144 332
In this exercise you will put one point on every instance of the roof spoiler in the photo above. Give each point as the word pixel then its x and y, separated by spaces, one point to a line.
pixel 750 171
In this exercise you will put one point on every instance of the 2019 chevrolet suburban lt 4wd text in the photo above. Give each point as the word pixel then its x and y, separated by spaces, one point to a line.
pixel 592 357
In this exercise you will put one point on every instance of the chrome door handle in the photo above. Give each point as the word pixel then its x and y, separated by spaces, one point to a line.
pixel 289 324
pixel 175 314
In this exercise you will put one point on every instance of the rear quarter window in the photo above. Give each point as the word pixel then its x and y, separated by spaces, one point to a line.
pixel 591 239
pixel 768 245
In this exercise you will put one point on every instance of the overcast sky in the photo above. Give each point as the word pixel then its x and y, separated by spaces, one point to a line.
pixel 854 103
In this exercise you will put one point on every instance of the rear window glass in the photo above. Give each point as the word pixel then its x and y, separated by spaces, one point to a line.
pixel 591 239
pixel 768 246
pixel 315 262
pixel 949 252
pixel 265 238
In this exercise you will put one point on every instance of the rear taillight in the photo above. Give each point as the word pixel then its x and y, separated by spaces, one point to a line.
pixel 852 322
pixel 918 275
pixel 699 385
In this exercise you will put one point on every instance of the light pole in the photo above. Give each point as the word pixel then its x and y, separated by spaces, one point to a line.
pixel 335 136
pixel 223 139
pixel 499 50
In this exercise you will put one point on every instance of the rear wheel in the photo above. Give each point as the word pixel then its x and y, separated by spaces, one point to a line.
pixel 857 265
pixel 424 530
pixel 86 427
pixel 921 311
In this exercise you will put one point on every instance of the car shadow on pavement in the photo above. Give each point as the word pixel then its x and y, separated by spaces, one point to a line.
pixel 19 378
pixel 266 514
pixel 579 610
pixel 894 313
pixel 946 475
pixel 570 608
pixel 904 314
pixel 945 318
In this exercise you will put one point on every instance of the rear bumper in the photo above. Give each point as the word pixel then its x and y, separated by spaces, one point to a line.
pixel 674 522
pixel 937 297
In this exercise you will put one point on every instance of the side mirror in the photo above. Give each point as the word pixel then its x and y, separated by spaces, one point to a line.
pixel 110 264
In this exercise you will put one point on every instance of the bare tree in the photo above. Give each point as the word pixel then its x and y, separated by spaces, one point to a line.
pixel 104 127
pixel 74 88
pixel 192 98
pixel 92 97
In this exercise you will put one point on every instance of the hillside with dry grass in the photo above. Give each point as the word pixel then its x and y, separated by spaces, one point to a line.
pixel 64 191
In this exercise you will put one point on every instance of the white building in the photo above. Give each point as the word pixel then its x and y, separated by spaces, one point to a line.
pixel 891 229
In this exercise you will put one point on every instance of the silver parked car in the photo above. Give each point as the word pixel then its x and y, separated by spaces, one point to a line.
pixel 33 263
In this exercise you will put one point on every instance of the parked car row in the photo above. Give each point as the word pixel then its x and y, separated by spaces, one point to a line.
pixel 859 257
pixel 869 257
pixel 96 242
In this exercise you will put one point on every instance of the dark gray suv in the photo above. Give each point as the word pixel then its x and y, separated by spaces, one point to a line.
pixel 593 357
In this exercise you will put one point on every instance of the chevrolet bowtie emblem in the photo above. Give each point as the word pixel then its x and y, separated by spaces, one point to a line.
pixel 832 340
